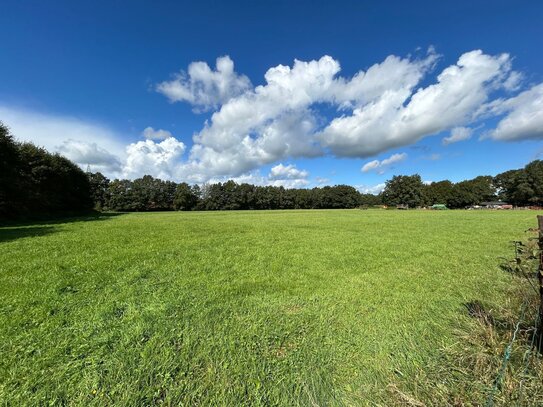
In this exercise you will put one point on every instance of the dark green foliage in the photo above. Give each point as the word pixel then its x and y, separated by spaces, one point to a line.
pixel 519 187
pixel 506 183
pixel 231 196
pixel 439 193
pixel 150 194
pixel 522 187
pixel 34 182
pixel 186 197
pixel 339 196
pixel 9 174
pixel 142 194
pixel 119 195
pixel 99 185
pixel 370 200
pixel 404 190
pixel 473 192
pixel 534 174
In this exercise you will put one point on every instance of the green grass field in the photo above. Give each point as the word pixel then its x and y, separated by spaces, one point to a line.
pixel 244 308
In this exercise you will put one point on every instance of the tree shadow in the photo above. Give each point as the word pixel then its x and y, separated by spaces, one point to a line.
pixel 13 230
pixel 57 220
pixel 8 234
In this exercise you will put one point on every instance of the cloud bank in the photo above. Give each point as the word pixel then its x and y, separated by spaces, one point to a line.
pixel 392 104
pixel 377 110
pixel 81 141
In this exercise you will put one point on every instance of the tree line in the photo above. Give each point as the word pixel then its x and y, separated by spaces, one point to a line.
pixel 521 187
pixel 152 194
pixel 34 182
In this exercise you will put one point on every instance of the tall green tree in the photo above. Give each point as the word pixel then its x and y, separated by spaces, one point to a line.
pixel 507 184
pixel 370 200
pixel 12 194
pixel 522 186
pixel 404 190
pixel 185 198
pixel 34 182
pixel 473 192
pixel 534 172
pixel 440 192
pixel 99 189
pixel 119 195
pixel 152 194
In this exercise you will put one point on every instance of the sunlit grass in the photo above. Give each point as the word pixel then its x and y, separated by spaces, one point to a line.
pixel 252 308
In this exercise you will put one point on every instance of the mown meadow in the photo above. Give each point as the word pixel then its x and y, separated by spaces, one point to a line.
pixel 299 307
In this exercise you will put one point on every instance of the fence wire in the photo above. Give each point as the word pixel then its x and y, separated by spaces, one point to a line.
pixel 506 356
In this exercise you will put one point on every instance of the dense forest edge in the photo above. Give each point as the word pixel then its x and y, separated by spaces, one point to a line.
pixel 36 183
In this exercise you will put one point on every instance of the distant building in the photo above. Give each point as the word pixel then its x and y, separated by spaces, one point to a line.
pixel 496 205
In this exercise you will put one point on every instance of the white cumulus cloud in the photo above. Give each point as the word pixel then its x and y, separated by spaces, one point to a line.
pixel 371 189
pixel 276 120
pixel 290 171
pixel 380 166
pixel 322 180
pixel 394 120
pixel 152 134
pixel 203 87
pixel 159 159
pixel 288 176
pixel 290 183
pixel 83 142
pixel 94 156
pixel 524 116
pixel 394 103
pixel 377 110
pixel 458 134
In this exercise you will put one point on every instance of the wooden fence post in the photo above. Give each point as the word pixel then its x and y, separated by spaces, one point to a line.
pixel 539 332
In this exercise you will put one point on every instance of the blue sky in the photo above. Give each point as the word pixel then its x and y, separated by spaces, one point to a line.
pixel 87 78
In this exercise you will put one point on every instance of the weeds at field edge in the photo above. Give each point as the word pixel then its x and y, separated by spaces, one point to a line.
pixel 472 365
